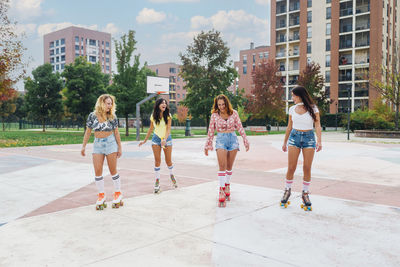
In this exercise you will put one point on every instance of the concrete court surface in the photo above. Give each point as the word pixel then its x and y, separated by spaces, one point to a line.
pixel 48 217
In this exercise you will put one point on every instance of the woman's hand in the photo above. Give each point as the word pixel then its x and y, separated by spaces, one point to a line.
pixel 143 142
pixel 163 143
pixel 83 151
pixel 319 147
pixel 284 148
pixel 206 151
pixel 119 152
pixel 247 146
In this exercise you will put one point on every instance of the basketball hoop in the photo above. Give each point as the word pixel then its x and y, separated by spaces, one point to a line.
pixel 161 92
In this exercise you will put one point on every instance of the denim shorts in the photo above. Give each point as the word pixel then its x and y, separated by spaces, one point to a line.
pixel 105 146
pixel 302 139
pixel 155 140
pixel 227 141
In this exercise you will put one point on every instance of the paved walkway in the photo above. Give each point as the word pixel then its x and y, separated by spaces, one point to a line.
pixel 48 216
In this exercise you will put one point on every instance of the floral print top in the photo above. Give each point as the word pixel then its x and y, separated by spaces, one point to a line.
pixel 217 123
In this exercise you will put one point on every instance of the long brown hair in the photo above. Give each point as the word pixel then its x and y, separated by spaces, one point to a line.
pixel 301 92
pixel 156 111
pixel 228 104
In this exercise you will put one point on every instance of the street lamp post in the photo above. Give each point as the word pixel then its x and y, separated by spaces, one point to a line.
pixel 336 114
pixel 348 113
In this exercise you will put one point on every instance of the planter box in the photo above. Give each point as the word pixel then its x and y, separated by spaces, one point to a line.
pixel 377 133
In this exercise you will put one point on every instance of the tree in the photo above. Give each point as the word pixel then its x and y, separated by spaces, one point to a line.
pixel 12 67
pixel 182 113
pixel 266 99
pixel 125 85
pixel 207 73
pixel 389 88
pixel 312 79
pixel 43 96
pixel 8 107
pixel 84 84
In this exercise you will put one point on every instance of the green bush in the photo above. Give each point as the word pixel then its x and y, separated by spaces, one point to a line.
pixel 369 120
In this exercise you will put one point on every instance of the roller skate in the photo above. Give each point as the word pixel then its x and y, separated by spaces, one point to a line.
pixel 306 201
pixel 117 200
pixel 157 188
pixel 228 192
pixel 221 200
pixel 285 199
pixel 173 181
pixel 101 202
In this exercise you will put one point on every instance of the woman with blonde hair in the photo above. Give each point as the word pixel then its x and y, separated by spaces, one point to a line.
pixel 107 144
pixel 225 120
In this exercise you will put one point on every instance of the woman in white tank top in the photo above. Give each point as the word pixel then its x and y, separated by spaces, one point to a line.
pixel 299 137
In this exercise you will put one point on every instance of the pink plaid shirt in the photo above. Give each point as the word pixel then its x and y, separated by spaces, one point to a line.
pixel 217 123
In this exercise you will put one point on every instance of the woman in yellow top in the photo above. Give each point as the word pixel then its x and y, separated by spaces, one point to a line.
pixel 160 122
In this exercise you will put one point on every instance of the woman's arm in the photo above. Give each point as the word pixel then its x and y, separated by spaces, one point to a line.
pixel 318 130
pixel 288 130
pixel 118 139
pixel 86 137
pixel 148 134
pixel 167 132
pixel 210 135
pixel 241 131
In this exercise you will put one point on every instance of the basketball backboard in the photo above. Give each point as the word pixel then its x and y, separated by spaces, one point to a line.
pixel 157 85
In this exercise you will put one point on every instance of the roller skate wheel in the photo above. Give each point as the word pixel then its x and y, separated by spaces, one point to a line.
pixel 288 202
pixel 97 208
pixel 305 208
pixel 117 205
pixel 310 208
pixel 302 206
pixel 101 208
pixel 285 206
pixel 113 205
pixel 121 203
pixel 105 205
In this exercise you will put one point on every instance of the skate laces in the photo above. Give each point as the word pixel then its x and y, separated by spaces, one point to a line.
pixel 305 197
pixel 117 194
pixel 286 194
pixel 100 196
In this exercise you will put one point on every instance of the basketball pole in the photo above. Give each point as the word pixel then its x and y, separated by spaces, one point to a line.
pixel 138 114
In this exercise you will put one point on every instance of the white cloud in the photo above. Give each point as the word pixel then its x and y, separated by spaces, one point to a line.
pixel 27 29
pixel 179 37
pixel 111 28
pixel 173 1
pixel 231 20
pixel 50 27
pixel 263 2
pixel 147 16
pixel 26 9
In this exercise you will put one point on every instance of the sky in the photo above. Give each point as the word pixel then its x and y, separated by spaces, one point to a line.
pixel 164 28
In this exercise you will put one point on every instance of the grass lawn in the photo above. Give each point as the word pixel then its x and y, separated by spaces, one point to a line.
pixel 21 138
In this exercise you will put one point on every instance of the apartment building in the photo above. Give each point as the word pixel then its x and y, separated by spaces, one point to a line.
pixel 63 46
pixel 248 60
pixel 177 92
pixel 336 34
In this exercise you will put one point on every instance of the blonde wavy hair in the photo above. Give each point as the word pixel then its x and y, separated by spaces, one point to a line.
pixel 100 107
pixel 228 104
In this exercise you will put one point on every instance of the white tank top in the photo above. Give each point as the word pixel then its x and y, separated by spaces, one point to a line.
pixel 302 121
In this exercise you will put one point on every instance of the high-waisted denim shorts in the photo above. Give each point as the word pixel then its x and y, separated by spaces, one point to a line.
pixel 227 141
pixel 105 146
pixel 155 140
pixel 302 139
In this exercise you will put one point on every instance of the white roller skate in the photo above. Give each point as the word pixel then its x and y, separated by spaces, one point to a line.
pixel 173 180
pixel 117 200
pixel 157 188
pixel 101 202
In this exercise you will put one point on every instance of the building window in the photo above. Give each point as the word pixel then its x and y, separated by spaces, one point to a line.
pixel 63 58
pixel 51 44
pixel 52 60
pixel 328 29
pixel 92 58
pixel 328 13
pixel 62 41
pixel 328 45
pixel 76 39
pixel 107 52
pixel 63 49
pixel 172 70
pixel 254 58
pixel 327 60
pixel 77 55
pixel 328 91
pixel 183 95
pixel 62 66
pixel 107 44
pixel 309 32
pixel 57 59
pixel 178 95
pixel 92 42
pixel 57 51
pixel 309 3
pixel 254 67
pixel 157 71
pixel 328 1
pixel 244 69
pixel 57 43
pixel 107 68
pixel 77 47
pixel 245 59
pixel 57 67
pixel 260 55
pixel 327 76
pixel 51 52
pixel 266 54
pixel 108 60
pixel 309 16
pixel 308 47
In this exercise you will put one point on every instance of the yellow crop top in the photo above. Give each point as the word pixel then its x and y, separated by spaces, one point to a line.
pixel 159 129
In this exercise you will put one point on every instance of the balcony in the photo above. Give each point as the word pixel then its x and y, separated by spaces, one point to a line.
pixel 362 23
pixel 346 12
pixel 344 90
pixel 294 5
pixel 294 20
pixel 294 51
pixel 281 54
pixel 280 7
pixel 361 74
pixel 345 59
pixel 346 25
pixel 281 24
pixel 362 57
pixel 294 37
pixel 362 6
pixel 281 39
pixel 346 41
pixel 345 75
pixel 362 39
pixel 361 89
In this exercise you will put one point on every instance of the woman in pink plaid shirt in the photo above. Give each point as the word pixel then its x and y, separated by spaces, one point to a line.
pixel 225 120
